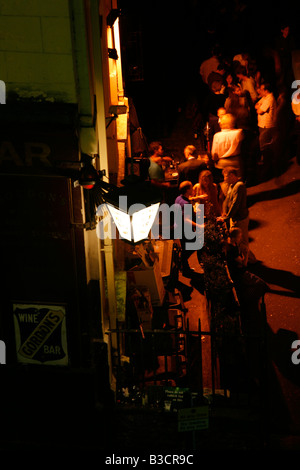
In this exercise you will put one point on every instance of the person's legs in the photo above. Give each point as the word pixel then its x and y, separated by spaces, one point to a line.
pixel 266 145
pixel 185 255
pixel 244 245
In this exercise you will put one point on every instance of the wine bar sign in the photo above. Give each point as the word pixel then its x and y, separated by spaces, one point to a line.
pixel 40 332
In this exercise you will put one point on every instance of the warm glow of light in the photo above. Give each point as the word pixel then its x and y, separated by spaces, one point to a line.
pixel 110 37
pixel 117 35
pixel 117 42
pixel 122 124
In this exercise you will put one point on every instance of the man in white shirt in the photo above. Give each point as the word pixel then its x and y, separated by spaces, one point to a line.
pixel 226 146
pixel 266 118
pixel 266 108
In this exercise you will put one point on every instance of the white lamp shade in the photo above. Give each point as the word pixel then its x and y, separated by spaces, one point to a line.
pixel 135 227
pixel 122 221
pixel 142 222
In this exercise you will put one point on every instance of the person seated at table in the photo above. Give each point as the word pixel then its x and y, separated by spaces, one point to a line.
pixel 190 169
pixel 156 172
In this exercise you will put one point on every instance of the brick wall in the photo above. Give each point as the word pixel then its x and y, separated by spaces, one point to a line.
pixel 36 49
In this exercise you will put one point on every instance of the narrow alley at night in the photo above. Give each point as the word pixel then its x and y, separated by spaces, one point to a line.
pixel 150 192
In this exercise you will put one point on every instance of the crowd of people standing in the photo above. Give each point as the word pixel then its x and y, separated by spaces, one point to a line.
pixel 256 93
pixel 222 202
pixel 242 120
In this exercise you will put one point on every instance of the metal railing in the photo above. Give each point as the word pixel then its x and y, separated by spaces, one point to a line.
pixel 206 362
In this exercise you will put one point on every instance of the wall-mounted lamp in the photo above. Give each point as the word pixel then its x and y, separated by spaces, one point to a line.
pixel 112 16
pixel 89 176
pixel 134 227
pixel 133 206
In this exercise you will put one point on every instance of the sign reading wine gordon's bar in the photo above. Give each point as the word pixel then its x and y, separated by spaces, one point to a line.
pixel 41 334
